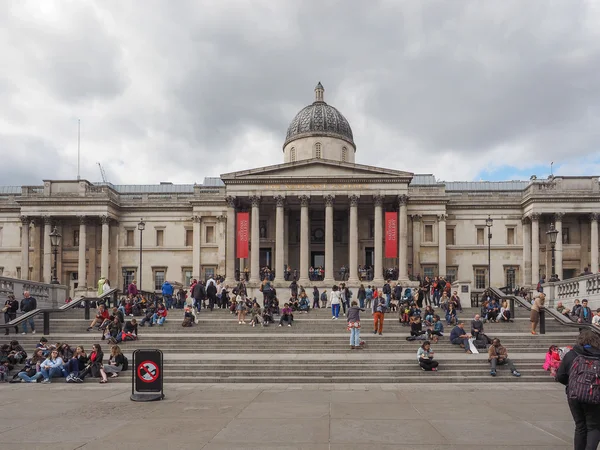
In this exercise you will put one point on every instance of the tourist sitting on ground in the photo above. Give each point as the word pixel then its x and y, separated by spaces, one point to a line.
pixel 241 308
pixel 552 361
pixel 577 367
pixel 286 315
pixel 125 307
pixel 505 313
pixel 148 316
pixel 75 365
pixel 563 310
pixel 52 367
pixel 101 316
pixel 405 314
pixel 16 353
pixel 414 310
pixel 94 363
pixel 65 352
pixel 353 321
pixel 113 329
pixel 114 366
pixel 4 370
pixel 428 314
pixel 160 315
pixel 31 372
pixel 189 319
pixel 483 311
pixel 43 346
pixel 233 306
pixel 129 332
pixel 303 305
pixel 437 329
pixel 476 326
pixel 493 310
pixel 585 313
pixel 456 300
pixel 256 314
pixel 267 316
pixel 498 356
pixel 459 337
pixel 451 315
pixel 425 357
pixel 416 326
pixel 444 301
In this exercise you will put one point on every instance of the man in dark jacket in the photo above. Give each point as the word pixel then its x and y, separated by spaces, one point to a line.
pixel 585 415
pixel 398 292
pixel 199 295
pixel 211 293
pixel 28 304
pixel 585 312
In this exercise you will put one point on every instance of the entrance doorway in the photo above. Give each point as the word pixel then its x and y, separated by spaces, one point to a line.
pixel 568 273
pixel 369 256
pixel 317 259
pixel 265 258
pixel 73 283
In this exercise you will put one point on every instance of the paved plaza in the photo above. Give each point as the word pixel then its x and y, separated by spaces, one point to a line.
pixel 307 417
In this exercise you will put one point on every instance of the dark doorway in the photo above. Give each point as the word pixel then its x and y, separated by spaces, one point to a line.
pixel 369 256
pixel 265 258
pixel 569 273
pixel 317 259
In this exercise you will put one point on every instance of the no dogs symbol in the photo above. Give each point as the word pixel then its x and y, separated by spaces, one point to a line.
pixel 148 371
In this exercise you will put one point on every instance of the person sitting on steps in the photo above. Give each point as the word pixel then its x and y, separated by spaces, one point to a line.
pixel 436 330
pixel 459 337
pixel 425 357
pixel 498 356
pixel 101 317
pixel 286 315
pixel 114 366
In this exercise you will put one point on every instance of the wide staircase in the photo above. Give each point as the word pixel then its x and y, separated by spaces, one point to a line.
pixel 314 350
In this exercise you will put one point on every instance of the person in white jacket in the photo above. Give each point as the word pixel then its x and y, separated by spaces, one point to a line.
pixel 335 299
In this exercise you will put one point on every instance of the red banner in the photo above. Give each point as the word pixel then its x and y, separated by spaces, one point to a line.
pixel 391 234
pixel 243 234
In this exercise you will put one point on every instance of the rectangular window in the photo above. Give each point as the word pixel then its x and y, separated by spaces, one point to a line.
pixel 450 240
pixel 451 274
pixel 209 272
pixel 510 236
pixel 159 279
pixel 128 277
pixel 565 236
pixel 210 234
pixel 480 278
pixel 75 238
pixel 429 271
pixel 428 233
pixel 262 229
pixel 187 276
pixel 129 236
pixel 189 239
pixel 160 238
pixel 19 272
pixel 480 236
pixel 511 278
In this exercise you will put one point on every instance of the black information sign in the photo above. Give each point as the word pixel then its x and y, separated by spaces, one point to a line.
pixel 147 375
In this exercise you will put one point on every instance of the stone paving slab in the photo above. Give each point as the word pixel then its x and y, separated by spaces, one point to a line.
pixel 299 416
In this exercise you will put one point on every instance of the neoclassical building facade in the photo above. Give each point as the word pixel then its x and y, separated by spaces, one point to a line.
pixel 317 208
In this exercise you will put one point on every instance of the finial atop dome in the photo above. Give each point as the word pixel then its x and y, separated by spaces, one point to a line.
pixel 319 90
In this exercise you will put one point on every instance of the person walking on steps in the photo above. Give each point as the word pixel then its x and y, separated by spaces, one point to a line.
pixel 379 309
pixel 354 325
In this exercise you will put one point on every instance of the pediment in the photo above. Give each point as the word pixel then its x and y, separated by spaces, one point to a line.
pixel 316 169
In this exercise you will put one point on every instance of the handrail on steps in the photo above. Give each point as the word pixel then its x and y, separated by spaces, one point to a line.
pixel 112 293
pixel 560 318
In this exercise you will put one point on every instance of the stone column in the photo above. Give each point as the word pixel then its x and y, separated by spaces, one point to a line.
pixel 304 240
pixel 279 244
pixel 230 247
pixel 416 221
pixel 81 267
pixel 47 250
pixel 222 221
pixel 594 242
pixel 286 237
pixel 329 270
pixel 196 240
pixel 24 248
pixel 526 251
pixel 353 250
pixel 558 249
pixel 402 238
pixel 255 240
pixel 535 248
pixel 378 241
pixel 105 247
pixel 442 245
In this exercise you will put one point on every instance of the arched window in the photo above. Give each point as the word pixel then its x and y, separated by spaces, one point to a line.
pixel 293 154
pixel 318 153
pixel 344 154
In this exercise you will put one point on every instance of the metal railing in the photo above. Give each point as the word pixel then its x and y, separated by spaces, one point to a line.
pixel 67 306
pixel 560 318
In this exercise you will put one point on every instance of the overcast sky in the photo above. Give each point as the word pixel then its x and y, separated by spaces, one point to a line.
pixel 179 90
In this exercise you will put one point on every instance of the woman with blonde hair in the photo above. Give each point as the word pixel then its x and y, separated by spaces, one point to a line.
pixel 115 364
pixel 534 318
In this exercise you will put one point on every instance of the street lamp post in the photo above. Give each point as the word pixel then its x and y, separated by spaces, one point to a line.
pixel 552 234
pixel 55 238
pixel 141 227
pixel 488 223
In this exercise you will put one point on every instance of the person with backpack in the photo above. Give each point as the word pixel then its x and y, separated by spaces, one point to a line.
pixel 579 371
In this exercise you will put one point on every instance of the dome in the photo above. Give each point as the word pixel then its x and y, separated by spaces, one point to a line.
pixel 319 119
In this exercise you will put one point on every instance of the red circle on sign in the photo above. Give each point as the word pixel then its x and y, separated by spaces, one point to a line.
pixel 148 371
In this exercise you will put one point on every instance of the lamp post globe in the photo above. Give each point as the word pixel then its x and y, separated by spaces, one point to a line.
pixel 552 234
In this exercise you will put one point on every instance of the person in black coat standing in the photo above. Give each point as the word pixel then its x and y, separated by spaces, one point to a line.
pixel 11 306
pixel 585 415
pixel 199 295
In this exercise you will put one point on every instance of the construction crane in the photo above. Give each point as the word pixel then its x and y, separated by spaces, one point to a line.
pixel 102 172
